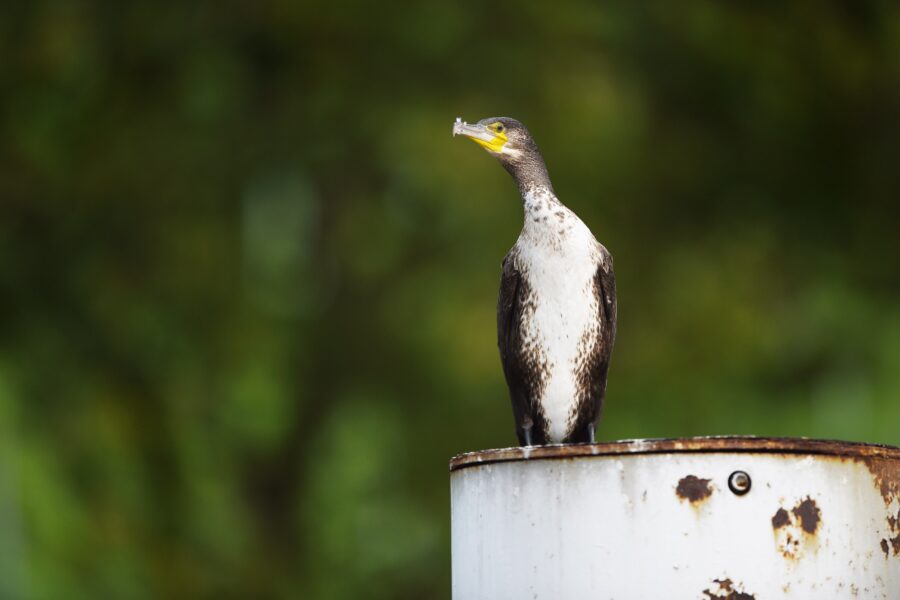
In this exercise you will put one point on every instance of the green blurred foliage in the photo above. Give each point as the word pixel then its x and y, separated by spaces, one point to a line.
pixel 248 278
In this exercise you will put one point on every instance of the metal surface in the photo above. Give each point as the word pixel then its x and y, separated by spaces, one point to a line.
pixel 657 519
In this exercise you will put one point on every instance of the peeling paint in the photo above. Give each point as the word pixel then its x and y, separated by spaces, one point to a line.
pixel 886 476
pixel 795 530
pixel 725 589
pixel 808 514
pixel 693 489
pixel 892 542
pixel 780 519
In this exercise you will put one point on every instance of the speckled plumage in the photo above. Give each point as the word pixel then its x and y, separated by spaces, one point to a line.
pixel 556 323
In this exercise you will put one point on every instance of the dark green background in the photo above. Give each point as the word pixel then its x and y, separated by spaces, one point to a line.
pixel 248 278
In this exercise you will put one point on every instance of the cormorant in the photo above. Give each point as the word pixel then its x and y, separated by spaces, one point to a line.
pixel 556 314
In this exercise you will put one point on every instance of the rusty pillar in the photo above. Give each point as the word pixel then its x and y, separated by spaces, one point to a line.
pixel 734 518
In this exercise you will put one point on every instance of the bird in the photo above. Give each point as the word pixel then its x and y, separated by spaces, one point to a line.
pixel 556 311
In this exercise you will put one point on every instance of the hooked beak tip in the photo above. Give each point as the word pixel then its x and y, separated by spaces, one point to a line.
pixel 458 126
pixel 473 132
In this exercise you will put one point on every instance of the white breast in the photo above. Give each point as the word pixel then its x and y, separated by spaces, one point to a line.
pixel 558 257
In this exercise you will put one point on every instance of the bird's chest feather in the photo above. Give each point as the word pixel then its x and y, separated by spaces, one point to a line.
pixel 562 305
pixel 558 258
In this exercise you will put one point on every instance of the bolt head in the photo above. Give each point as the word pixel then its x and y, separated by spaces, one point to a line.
pixel 739 483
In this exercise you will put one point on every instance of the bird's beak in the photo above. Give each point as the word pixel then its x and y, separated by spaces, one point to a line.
pixel 481 135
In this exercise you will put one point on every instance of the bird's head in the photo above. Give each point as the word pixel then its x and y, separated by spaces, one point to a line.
pixel 509 141
pixel 503 137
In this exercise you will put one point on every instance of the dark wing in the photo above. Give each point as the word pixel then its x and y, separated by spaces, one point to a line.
pixel 606 284
pixel 593 374
pixel 521 377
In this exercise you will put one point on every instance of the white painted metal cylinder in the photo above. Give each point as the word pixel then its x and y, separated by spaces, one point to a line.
pixel 658 519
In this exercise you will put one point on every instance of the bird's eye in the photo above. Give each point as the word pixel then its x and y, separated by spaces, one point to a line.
pixel 499 127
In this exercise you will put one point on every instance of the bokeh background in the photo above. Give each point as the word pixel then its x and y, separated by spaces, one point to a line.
pixel 248 278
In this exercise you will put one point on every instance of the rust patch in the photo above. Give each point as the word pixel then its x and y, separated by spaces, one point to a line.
pixel 693 489
pixel 886 546
pixel 876 456
pixel 892 542
pixel 780 519
pixel 886 476
pixel 795 530
pixel 808 514
pixel 725 589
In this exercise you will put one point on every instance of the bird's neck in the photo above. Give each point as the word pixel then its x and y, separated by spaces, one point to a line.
pixel 530 172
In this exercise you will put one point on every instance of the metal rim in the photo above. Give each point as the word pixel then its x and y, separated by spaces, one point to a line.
pixel 720 444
